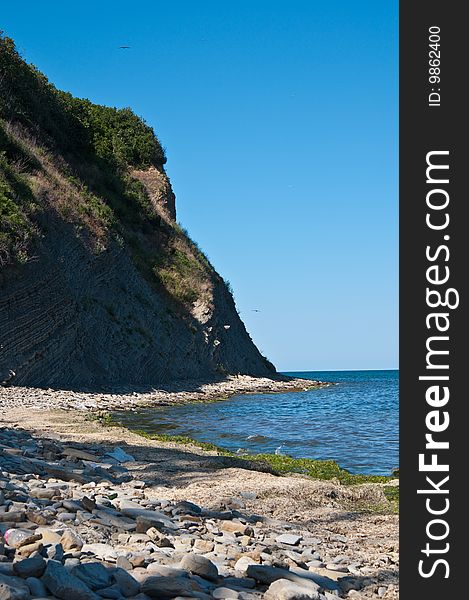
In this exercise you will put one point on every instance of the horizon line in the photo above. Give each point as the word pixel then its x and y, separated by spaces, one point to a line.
pixel 336 370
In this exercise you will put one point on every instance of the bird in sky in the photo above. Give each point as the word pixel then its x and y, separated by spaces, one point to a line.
pixel 255 310
pixel 124 47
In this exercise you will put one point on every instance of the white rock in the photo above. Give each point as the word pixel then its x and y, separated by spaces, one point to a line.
pixel 243 563
pixel 120 455
pixel 289 538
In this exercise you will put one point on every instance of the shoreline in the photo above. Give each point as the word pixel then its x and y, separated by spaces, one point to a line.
pixel 132 397
pixel 281 464
pixel 102 404
pixel 349 534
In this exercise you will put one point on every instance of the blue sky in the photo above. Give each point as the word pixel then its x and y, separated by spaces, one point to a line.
pixel 280 123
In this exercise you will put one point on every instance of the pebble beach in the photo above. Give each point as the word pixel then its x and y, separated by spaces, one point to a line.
pixel 89 511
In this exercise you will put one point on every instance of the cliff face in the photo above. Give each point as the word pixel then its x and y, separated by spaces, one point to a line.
pixel 98 283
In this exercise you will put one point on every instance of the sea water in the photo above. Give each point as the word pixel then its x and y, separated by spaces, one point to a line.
pixel 354 421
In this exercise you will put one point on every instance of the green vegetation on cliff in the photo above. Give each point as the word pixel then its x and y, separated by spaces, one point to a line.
pixel 66 154
pixel 98 281
pixel 58 119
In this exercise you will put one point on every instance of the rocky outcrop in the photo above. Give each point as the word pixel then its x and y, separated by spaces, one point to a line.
pixel 77 319
pixel 159 189
pixel 99 285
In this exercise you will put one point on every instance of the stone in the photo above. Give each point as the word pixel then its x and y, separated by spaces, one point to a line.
pixel 71 506
pixel 124 563
pixel 315 564
pixel 55 552
pixel 289 539
pixel 36 517
pixel 66 516
pixel 167 587
pixel 71 541
pixel 80 454
pixel 36 587
pixel 266 574
pixel 188 507
pixel 12 517
pixel 337 537
pixel 235 527
pixel 13 588
pixel 70 563
pixel 203 545
pixel 243 563
pixel 93 574
pixel 106 517
pixel 223 592
pixel 166 571
pixel 134 510
pixel 9 593
pixel 44 493
pixel 336 567
pixel 308 555
pixel 349 583
pixel 112 592
pixel 158 538
pixel 65 586
pixel 200 565
pixel 137 561
pixel 103 551
pixel 283 589
pixel 248 495
pixel 88 504
pixel 30 567
pixel 28 549
pixel 48 536
pixel 120 455
pixel 127 584
pixel 145 523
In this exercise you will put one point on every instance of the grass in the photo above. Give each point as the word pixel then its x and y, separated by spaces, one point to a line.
pixel 325 470
pixel 81 155
pixel 16 207
pixel 103 418
pixel 279 464
pixel 185 440
pixel 179 273
pixel 317 469
pixel 392 496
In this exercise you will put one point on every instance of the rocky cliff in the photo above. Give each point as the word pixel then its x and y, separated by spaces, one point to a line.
pixel 99 285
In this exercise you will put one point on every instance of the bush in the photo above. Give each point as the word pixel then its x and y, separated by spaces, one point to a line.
pixel 16 230
pixel 84 155
pixel 117 136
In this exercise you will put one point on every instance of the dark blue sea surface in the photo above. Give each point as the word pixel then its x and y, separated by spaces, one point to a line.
pixel 354 422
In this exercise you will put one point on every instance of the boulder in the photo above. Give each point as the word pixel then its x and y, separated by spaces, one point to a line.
pixel 13 588
pixel 30 567
pixel 168 587
pixel 71 541
pixel 94 575
pixel 284 589
pixel 64 585
pixel 127 584
pixel 200 565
